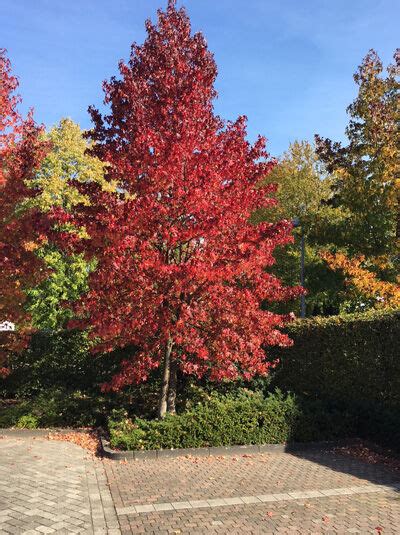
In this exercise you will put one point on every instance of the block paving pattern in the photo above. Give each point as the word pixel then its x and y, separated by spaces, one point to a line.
pixel 57 487
pixel 310 493
pixel 53 487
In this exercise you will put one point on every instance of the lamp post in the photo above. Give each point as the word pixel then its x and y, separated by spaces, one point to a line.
pixel 296 223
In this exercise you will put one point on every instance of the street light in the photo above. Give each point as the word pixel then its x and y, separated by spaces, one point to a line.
pixel 297 223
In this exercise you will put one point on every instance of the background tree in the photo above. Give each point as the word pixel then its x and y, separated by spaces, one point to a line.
pixel 363 287
pixel 180 267
pixel 303 193
pixel 303 185
pixel 21 231
pixel 367 169
pixel 67 161
pixel 367 173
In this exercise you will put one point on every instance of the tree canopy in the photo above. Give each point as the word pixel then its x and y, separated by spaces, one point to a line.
pixel 180 269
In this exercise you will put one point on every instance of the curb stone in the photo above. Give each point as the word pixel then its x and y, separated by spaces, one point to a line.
pixel 136 455
pixel 32 433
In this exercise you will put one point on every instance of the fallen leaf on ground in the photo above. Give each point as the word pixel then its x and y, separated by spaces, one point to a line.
pixel 86 440
pixel 368 455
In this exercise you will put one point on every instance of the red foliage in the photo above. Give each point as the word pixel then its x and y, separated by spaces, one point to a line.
pixel 178 259
pixel 21 152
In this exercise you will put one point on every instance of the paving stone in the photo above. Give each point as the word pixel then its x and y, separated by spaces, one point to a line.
pixel 180 505
pixel 44 487
pixel 163 507
pixel 312 493
pixel 250 499
pixel 144 508
pixel 199 503
pixel 217 502
pixel 234 501
pixel 57 487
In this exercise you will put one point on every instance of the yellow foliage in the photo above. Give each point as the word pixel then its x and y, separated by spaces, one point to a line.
pixel 385 294
pixel 302 184
pixel 30 246
pixel 67 160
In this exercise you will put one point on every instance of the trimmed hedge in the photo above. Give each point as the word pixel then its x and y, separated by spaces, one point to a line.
pixel 352 358
pixel 225 421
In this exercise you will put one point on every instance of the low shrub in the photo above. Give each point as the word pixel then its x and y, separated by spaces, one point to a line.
pixel 59 408
pixel 10 413
pixel 248 418
pixel 27 421
pixel 59 359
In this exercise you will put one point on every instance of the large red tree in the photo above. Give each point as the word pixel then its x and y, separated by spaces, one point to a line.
pixel 181 271
pixel 21 231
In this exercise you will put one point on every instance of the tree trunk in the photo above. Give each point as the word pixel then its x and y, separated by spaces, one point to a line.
pixel 163 404
pixel 171 398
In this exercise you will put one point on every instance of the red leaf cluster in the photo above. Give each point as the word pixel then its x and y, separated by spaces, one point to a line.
pixel 21 232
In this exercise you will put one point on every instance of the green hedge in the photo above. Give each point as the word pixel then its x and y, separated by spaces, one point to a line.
pixel 353 361
pixel 223 421
pixel 354 358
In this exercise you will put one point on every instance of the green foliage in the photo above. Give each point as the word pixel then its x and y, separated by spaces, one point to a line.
pixel 247 418
pixel 28 421
pixel 10 413
pixel 349 361
pixel 379 423
pixel 53 359
pixel 66 281
pixel 351 358
pixel 366 170
pixel 303 186
pixel 323 285
pixel 303 193
pixel 58 407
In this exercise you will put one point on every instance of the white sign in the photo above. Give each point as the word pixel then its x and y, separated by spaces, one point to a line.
pixel 7 326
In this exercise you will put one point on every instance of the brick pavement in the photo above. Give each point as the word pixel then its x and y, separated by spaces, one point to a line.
pixel 53 487
pixel 319 492
pixel 56 487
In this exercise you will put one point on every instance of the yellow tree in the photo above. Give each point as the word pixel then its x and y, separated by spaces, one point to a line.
pixel 367 184
pixel 67 162
pixel 303 185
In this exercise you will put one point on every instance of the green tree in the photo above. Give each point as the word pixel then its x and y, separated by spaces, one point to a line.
pixel 67 162
pixel 303 193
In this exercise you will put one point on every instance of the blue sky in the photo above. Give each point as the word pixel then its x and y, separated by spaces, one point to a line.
pixel 287 65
